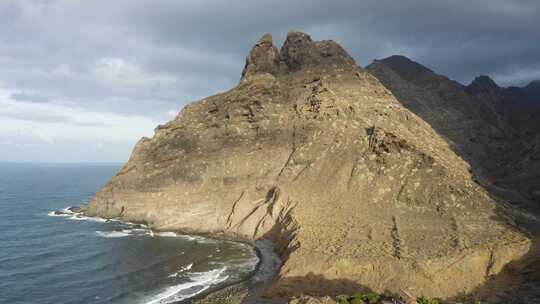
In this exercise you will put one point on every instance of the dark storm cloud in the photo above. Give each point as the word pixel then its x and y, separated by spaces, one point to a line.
pixel 153 56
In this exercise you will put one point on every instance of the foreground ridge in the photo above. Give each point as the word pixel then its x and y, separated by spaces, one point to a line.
pixel 312 152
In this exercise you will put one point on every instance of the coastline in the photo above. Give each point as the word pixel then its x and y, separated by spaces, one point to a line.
pixel 251 289
pixel 246 290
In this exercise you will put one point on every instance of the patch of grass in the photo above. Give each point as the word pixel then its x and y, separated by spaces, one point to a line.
pixel 427 300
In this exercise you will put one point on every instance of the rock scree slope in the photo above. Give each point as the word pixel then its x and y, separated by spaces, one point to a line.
pixel 311 151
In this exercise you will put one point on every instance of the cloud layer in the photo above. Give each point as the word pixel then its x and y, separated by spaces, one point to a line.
pixel 83 64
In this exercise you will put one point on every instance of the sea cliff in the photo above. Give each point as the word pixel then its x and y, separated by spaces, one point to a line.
pixel 312 152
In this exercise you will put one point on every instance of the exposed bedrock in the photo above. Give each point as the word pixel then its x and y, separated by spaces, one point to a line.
pixel 312 152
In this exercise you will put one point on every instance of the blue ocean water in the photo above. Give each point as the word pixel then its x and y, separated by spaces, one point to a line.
pixel 73 259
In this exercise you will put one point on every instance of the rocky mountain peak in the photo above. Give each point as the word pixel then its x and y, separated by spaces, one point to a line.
pixel 263 58
pixel 298 52
pixel 408 69
pixel 483 85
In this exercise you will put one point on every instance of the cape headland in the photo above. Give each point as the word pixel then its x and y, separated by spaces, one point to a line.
pixel 312 152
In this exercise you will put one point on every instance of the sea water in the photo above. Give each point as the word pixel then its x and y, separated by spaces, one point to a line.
pixel 69 258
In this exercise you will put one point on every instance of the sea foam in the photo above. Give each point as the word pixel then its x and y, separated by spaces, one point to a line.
pixel 112 234
pixel 199 282
pixel 185 268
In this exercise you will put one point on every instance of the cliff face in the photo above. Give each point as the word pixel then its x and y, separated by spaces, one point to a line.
pixel 314 153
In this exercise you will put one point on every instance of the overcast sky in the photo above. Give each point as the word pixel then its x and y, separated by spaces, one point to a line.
pixel 84 80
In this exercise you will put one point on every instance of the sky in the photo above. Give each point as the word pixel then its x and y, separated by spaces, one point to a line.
pixel 82 81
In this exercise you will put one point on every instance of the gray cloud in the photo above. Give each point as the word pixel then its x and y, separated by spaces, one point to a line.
pixel 28 97
pixel 148 57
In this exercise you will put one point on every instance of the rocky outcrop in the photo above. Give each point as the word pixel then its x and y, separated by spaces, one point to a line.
pixel 311 151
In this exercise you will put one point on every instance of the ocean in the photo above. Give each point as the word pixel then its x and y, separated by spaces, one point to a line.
pixel 47 258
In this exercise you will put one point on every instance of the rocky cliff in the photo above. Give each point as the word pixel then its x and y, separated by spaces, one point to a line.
pixel 312 152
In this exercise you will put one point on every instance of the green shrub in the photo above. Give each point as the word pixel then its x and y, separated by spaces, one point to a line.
pixel 366 298
pixel 343 299
pixel 359 298
pixel 372 298
pixel 356 300
pixel 427 300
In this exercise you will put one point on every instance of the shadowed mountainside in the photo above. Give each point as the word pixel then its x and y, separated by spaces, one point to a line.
pixel 497 130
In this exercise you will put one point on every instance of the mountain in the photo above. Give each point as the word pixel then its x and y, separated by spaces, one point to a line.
pixel 314 153
pixel 495 129
pixel 473 126
pixel 483 85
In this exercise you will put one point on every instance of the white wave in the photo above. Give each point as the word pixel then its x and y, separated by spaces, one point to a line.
pixel 54 213
pixel 176 274
pixel 62 212
pixel 136 229
pixel 77 216
pixel 87 218
pixel 112 234
pixel 198 279
pixel 166 234
pixel 198 239
pixel 68 210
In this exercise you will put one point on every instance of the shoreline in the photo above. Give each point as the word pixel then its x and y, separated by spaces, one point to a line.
pixel 248 289
pixel 251 288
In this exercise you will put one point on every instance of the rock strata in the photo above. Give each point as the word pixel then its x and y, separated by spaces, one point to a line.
pixel 312 152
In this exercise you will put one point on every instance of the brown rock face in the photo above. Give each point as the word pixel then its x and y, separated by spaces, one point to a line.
pixel 314 153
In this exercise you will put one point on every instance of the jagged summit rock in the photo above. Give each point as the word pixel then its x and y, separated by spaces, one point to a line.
pixel 483 85
pixel 263 58
pixel 298 52
pixel 312 152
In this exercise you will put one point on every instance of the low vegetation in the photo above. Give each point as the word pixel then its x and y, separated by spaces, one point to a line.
pixel 428 300
pixel 374 298
pixel 360 298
